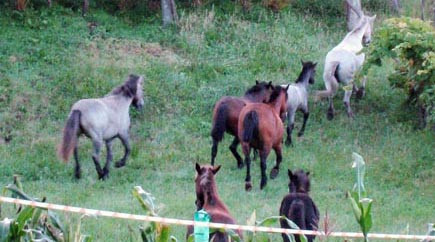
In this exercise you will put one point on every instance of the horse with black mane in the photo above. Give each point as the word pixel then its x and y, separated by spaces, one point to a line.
pixel 207 198
pixel 298 206
pixel 102 120
pixel 226 116
pixel 260 127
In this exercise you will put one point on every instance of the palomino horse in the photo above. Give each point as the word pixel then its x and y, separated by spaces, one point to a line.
pixel 102 119
pixel 261 128
pixel 344 60
pixel 207 198
pixel 298 206
pixel 226 116
pixel 298 98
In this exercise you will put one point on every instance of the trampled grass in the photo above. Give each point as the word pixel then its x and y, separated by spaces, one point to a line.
pixel 52 58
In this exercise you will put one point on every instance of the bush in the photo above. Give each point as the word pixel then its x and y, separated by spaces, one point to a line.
pixel 336 7
pixel 411 42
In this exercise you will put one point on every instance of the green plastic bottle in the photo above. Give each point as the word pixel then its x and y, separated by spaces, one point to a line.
pixel 201 232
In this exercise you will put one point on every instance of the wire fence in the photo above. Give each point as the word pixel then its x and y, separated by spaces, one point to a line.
pixel 183 222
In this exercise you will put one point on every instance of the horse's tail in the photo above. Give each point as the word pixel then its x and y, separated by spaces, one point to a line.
pixel 70 136
pixel 331 81
pixel 219 123
pixel 296 213
pixel 250 126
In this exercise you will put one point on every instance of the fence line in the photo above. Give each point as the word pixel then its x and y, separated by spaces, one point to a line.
pixel 212 225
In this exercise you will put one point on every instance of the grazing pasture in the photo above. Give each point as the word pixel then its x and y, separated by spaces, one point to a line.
pixel 49 59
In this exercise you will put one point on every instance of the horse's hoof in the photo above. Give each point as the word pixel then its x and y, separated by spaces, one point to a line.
pixel 119 164
pixel 248 186
pixel 330 115
pixel 263 184
pixel 78 175
pixel 360 93
pixel 350 115
pixel 288 142
pixel 240 165
pixel 274 173
pixel 300 134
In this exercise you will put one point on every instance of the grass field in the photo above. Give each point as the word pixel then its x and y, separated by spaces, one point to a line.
pixel 51 58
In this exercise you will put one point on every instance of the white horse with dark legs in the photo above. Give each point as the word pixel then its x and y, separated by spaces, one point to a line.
pixel 344 60
pixel 102 120
pixel 298 98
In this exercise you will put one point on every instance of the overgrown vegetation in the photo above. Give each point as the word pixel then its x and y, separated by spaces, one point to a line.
pixel 411 43
pixel 49 58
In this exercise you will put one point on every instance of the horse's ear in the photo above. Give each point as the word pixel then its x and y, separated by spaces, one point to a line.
pixel 290 174
pixel 372 18
pixel 198 168
pixel 302 62
pixel 216 169
pixel 307 173
pixel 287 87
pixel 315 64
pixel 270 84
pixel 256 82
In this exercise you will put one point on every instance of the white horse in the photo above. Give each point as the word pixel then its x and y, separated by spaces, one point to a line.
pixel 102 119
pixel 298 98
pixel 344 60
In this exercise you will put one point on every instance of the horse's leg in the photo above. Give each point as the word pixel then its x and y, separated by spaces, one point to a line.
pixel 346 101
pixel 233 148
pixel 77 172
pixel 306 115
pixel 290 126
pixel 246 151
pixel 361 91
pixel 124 140
pixel 263 159
pixel 96 156
pixel 274 172
pixel 255 154
pixel 108 158
pixel 214 150
pixel 330 113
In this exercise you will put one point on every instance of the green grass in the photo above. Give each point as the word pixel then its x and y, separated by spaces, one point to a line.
pixel 50 58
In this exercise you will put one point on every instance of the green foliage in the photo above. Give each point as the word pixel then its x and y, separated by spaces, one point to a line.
pixel 151 231
pixel 361 205
pixel 36 224
pixel 411 43
pixel 336 7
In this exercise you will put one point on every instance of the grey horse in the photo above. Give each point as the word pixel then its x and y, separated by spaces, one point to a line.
pixel 102 120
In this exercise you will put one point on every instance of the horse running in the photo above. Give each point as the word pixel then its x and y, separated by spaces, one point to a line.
pixel 260 127
pixel 298 206
pixel 298 98
pixel 344 60
pixel 102 120
pixel 207 198
pixel 226 116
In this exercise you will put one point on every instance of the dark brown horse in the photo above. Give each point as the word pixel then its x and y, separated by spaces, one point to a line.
pixel 260 127
pixel 207 198
pixel 298 206
pixel 226 116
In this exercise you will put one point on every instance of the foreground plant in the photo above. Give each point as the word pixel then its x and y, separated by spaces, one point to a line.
pixel 151 231
pixel 361 205
pixel 36 224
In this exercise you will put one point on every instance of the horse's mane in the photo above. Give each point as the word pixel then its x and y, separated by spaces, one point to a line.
pixel 306 67
pixel 257 88
pixel 129 88
pixel 208 187
pixel 275 93
pixel 360 25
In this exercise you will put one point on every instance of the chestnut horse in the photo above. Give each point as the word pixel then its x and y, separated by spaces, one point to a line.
pixel 207 198
pixel 226 116
pixel 261 128
pixel 298 206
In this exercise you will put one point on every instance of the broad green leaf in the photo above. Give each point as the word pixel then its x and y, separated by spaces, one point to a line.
pixel 355 207
pixel 191 238
pixel 164 234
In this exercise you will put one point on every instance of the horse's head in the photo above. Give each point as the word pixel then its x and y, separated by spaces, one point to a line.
pixel 299 181
pixel 364 24
pixel 310 68
pixel 138 101
pixel 367 37
pixel 204 181
pixel 260 92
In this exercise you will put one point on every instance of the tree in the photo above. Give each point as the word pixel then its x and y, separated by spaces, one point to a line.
pixel 169 12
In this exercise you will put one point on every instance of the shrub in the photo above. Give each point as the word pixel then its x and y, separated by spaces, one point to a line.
pixel 411 43
pixel 336 7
